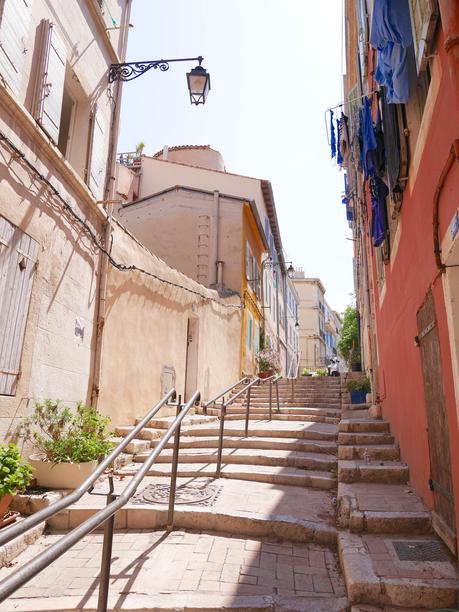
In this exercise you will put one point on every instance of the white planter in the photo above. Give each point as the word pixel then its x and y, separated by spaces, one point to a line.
pixel 60 475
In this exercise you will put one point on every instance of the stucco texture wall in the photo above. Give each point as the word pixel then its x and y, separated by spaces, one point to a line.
pixel 146 330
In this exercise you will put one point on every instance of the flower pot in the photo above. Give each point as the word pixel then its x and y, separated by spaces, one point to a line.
pixel 5 502
pixel 265 374
pixel 60 475
pixel 358 397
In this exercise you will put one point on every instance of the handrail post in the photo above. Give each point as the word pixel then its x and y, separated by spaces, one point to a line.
pixel 293 391
pixel 247 412
pixel 175 456
pixel 270 399
pixel 220 439
pixel 106 559
pixel 277 397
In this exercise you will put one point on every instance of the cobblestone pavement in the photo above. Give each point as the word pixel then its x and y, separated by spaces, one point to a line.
pixel 158 562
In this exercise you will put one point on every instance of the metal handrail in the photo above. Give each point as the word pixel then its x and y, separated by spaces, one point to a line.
pixel 8 534
pixel 224 392
pixel 246 389
pixel 37 564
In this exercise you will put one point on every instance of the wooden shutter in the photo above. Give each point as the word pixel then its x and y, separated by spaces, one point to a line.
pixel 98 154
pixel 15 17
pixel 18 255
pixel 424 15
pixel 50 80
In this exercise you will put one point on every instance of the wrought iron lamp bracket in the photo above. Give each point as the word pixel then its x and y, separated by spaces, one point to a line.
pixel 128 71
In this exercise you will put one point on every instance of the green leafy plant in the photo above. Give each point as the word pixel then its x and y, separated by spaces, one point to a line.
pixel 61 435
pixel 362 384
pixel 321 372
pixel 306 372
pixel 15 472
pixel 348 343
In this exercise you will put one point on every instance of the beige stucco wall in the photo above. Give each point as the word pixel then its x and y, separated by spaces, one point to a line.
pixel 183 228
pixel 202 157
pixel 311 345
pixel 56 361
pixel 146 330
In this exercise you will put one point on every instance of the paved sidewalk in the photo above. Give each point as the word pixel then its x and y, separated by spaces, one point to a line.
pixel 157 563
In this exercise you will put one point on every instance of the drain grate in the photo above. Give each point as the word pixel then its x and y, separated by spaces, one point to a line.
pixel 427 550
pixel 201 493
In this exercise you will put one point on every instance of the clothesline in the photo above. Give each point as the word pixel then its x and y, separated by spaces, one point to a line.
pixel 340 105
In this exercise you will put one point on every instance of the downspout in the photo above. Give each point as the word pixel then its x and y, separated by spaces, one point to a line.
pixel 452 157
pixel 109 193
pixel 449 11
pixel 218 262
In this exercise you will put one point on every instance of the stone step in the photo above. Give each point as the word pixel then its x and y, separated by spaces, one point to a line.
pixel 363 426
pixel 165 422
pixel 260 473
pixel 381 508
pixel 365 439
pixel 315 431
pixel 318 446
pixel 285 417
pixel 135 446
pixel 287 408
pixel 281 458
pixel 375 574
pixel 385 471
pixel 385 452
pixel 264 409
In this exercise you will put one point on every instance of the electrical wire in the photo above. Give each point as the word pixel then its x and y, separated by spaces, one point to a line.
pixel 89 232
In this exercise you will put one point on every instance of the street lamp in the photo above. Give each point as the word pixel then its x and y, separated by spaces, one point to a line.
pixel 198 78
pixel 269 263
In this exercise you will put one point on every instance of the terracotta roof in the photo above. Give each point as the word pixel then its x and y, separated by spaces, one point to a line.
pixel 179 148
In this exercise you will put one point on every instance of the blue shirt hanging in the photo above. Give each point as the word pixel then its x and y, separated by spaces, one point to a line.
pixel 332 136
pixel 369 144
pixel 391 35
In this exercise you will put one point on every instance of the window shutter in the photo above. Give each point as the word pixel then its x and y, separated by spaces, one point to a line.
pixel 98 155
pixel 424 15
pixel 51 78
pixel 18 255
pixel 15 16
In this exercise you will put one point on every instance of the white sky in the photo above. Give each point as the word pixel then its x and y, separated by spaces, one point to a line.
pixel 275 66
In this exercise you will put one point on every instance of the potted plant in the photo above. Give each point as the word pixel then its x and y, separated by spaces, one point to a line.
pixel 306 372
pixel 15 476
pixel 268 362
pixel 68 443
pixel 358 390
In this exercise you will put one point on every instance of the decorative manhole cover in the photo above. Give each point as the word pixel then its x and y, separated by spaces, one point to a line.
pixel 202 493
pixel 429 550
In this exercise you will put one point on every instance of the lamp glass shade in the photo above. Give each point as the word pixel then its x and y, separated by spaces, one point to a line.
pixel 198 85
pixel 290 271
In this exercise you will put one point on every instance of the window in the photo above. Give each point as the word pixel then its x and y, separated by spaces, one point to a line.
pixel 249 332
pixel 15 18
pixel 257 338
pixel 18 256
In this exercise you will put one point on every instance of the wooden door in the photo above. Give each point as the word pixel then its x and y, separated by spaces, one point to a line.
pixel 191 371
pixel 440 481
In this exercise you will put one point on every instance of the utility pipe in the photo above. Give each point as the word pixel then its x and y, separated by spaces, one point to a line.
pixel 109 193
pixel 449 11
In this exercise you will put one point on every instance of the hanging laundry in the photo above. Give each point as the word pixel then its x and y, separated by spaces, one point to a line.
pixel 339 157
pixel 379 193
pixel 344 146
pixel 332 136
pixel 391 142
pixel 392 37
pixel 369 144
pixel 380 155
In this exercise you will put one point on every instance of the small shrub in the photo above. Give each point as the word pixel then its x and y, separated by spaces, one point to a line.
pixel 65 436
pixel 321 372
pixel 306 372
pixel 362 384
pixel 15 472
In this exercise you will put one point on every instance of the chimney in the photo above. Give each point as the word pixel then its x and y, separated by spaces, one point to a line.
pixel 165 152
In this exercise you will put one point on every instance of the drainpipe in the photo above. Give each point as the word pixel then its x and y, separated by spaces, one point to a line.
pixel 217 238
pixel 452 156
pixel 449 11
pixel 109 193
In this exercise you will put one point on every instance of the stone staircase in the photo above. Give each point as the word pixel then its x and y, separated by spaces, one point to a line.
pixel 390 557
pixel 298 444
